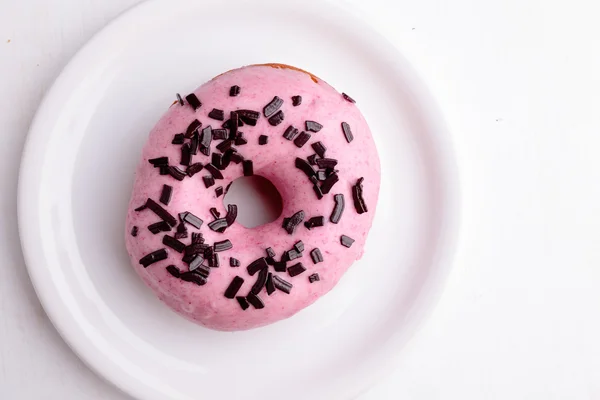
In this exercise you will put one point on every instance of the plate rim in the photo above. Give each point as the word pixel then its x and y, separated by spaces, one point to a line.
pixel 432 289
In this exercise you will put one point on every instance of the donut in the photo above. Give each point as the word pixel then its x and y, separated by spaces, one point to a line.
pixel 272 120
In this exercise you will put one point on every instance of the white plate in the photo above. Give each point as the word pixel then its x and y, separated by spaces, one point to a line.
pixel 75 183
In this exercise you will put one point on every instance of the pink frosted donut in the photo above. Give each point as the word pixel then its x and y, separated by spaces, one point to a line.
pixel 287 126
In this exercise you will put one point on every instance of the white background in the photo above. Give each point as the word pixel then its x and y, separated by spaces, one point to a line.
pixel 519 84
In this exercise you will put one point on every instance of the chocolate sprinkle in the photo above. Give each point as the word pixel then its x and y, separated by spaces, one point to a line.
pixel 157 162
pixel 269 285
pixel 196 262
pixel 234 91
pixel 186 155
pixel 208 181
pixel 296 269
pixel 326 163
pixel 305 167
pixel 214 171
pixel 157 227
pixel 293 222
pixel 271 252
pixel 153 257
pixel 193 278
pixel 273 106
pixel 296 100
pixel 193 101
pixel 203 271
pixel 242 302
pixel 314 278
pixel 182 231
pixel 194 169
pixel 229 123
pixel 173 243
pixel 292 254
pixel 173 270
pixel 231 215
pixel 316 256
pixel 195 249
pixel 248 116
pixel 281 284
pixel 328 183
pixel 219 134
pixel 233 124
pixel 237 158
pixel 248 167
pixel 225 145
pixel 321 175
pixel 141 208
pixel 197 238
pixel 255 301
pixel 217 114
pixel 261 280
pixel 226 159
pixel 189 256
pixel 240 140
pixel 257 265
pixel 347 132
pixel 290 133
pixel 299 246
pixel 223 246
pixel 218 224
pixel 280 266
pixel 134 231
pixel 312 159
pixel 277 118
pixel 177 173
pixel 313 126
pixel 217 160
pixel 215 213
pixel 346 241
pixel 234 262
pixel 357 195
pixel 178 139
pixel 179 99
pixel 262 140
pixel 319 148
pixel 192 127
pixel 246 119
pixel 206 137
pixel 348 98
pixel 302 139
pixel 192 220
pixel 338 209
pixel 318 191
pixel 161 212
pixel 315 222
pixel 194 143
pixel 234 287
pixel 209 255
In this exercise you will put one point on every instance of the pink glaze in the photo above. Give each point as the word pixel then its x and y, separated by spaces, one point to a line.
pixel 206 304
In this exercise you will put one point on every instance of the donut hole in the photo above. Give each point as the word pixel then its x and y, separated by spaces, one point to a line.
pixel 258 200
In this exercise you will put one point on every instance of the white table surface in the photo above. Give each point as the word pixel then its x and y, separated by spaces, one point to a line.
pixel 519 83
